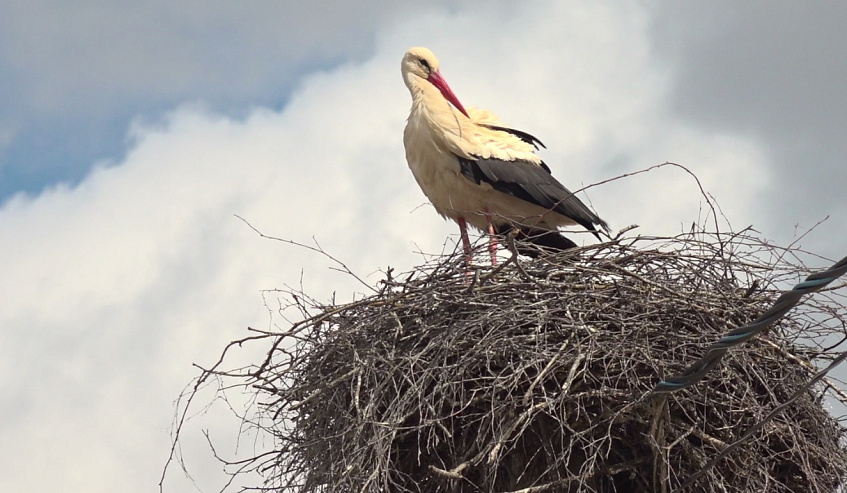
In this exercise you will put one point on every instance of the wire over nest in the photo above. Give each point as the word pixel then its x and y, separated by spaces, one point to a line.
pixel 537 377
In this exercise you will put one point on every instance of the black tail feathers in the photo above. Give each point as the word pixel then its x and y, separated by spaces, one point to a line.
pixel 533 241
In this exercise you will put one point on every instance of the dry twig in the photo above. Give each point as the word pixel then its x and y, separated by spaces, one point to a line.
pixel 535 379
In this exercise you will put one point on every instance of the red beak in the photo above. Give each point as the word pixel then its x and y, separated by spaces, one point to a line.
pixel 439 82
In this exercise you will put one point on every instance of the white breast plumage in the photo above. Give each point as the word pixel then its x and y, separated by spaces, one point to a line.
pixel 475 170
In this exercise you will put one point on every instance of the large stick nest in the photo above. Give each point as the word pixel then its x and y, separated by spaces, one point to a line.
pixel 537 377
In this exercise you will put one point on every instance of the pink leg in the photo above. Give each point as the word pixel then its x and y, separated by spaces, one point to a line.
pixel 492 239
pixel 466 242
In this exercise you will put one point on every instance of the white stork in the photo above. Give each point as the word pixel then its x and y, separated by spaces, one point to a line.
pixel 475 170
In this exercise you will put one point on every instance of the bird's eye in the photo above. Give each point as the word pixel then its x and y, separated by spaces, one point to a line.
pixel 425 65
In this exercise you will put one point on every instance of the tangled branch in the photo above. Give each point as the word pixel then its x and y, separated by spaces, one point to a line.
pixel 538 377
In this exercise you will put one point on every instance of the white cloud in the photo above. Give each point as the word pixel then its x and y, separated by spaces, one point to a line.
pixel 117 285
pixel 74 74
pixel 114 287
pixel 769 72
pixel 93 55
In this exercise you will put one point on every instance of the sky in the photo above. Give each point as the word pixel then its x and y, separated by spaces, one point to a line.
pixel 135 138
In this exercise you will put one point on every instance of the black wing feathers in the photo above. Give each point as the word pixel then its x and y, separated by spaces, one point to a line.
pixel 551 240
pixel 529 139
pixel 532 183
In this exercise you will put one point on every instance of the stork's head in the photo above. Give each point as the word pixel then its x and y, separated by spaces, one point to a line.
pixel 420 66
